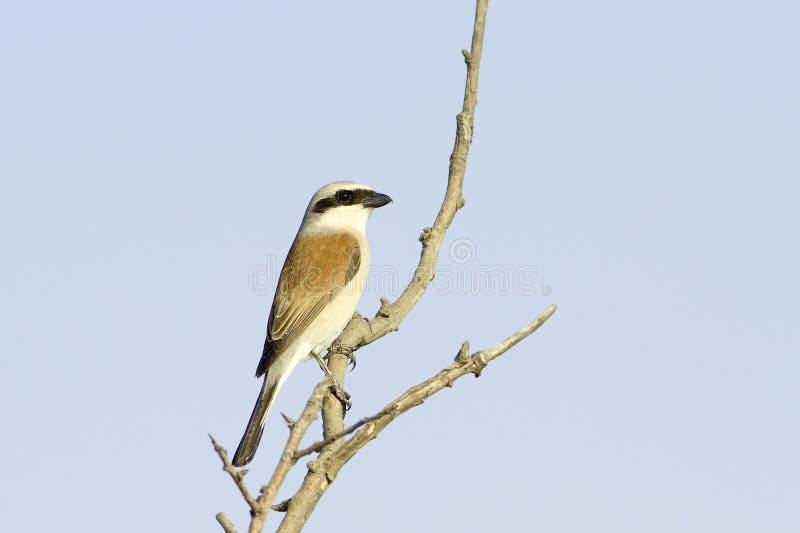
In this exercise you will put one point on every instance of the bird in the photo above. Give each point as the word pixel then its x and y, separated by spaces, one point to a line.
pixel 320 284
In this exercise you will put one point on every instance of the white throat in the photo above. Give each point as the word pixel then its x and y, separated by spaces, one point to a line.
pixel 351 218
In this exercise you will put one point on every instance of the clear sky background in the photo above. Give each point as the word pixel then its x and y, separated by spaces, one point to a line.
pixel 636 162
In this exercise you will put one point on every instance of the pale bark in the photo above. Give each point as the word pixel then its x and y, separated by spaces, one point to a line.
pixel 335 449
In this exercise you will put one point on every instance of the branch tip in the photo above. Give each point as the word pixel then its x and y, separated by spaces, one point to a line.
pixel 334 454
pixel 226 524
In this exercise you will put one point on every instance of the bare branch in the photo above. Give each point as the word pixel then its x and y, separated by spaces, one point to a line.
pixel 464 363
pixel 225 523
pixel 297 429
pixel 326 468
pixel 360 332
pixel 492 353
pixel 236 475
pixel 416 395
pixel 335 449
pixel 320 444
pixel 261 506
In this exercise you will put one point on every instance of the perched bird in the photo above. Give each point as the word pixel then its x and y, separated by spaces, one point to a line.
pixel 319 287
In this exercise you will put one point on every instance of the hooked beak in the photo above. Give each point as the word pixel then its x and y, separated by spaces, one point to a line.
pixel 376 200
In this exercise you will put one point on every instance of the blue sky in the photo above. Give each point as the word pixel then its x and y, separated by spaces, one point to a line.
pixel 636 161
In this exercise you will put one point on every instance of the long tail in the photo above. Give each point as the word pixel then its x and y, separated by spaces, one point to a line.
pixel 255 427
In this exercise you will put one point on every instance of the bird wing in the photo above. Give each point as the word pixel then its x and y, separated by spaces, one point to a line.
pixel 317 268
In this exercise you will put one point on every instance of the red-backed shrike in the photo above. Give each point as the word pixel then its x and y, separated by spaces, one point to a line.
pixel 319 287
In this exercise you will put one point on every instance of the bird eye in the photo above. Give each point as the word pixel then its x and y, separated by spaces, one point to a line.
pixel 344 197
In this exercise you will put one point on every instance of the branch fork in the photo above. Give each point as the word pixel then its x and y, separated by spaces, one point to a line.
pixel 339 444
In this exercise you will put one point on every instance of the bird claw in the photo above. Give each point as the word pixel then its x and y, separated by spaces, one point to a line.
pixel 337 390
pixel 342 395
pixel 347 351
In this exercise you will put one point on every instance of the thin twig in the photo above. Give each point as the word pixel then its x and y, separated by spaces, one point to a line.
pixel 236 475
pixel 297 429
pixel 289 455
pixel 225 523
pixel 335 450
pixel 360 332
pixel 416 395
pixel 320 444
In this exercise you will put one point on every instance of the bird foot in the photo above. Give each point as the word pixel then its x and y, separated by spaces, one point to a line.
pixel 337 390
pixel 342 395
pixel 347 351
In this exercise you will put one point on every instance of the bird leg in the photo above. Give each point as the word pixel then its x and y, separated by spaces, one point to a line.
pixel 341 395
pixel 347 351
